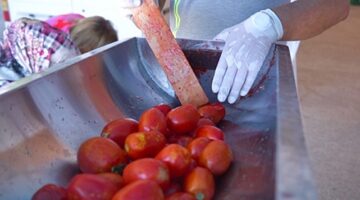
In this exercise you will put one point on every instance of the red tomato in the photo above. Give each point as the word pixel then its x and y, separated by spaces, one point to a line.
pixel 201 122
pixel 210 132
pixel 140 190
pixel 215 112
pixel 153 120
pixel 192 166
pixel 177 158
pixel 174 187
pixel 184 140
pixel 216 156
pixel 98 154
pixel 197 145
pixel 181 140
pixel 147 169
pixel 164 108
pixel 205 121
pixel 181 196
pixel 117 130
pixel 50 191
pixel 116 179
pixel 183 119
pixel 91 187
pixel 144 144
pixel 172 139
pixel 200 182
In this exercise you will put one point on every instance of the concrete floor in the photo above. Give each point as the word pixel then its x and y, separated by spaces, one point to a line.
pixel 329 88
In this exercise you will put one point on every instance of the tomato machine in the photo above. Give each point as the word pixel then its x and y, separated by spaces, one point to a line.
pixel 45 117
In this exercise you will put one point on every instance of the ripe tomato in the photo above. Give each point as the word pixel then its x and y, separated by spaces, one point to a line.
pixel 183 119
pixel 174 187
pixel 177 158
pixel 210 132
pixel 200 182
pixel 214 111
pixel 201 122
pixel 205 121
pixel 147 169
pixel 193 165
pixel 184 140
pixel 153 120
pixel 164 108
pixel 181 140
pixel 197 145
pixel 98 154
pixel 115 179
pixel 141 189
pixel 144 144
pixel 216 156
pixel 50 191
pixel 181 196
pixel 91 187
pixel 117 130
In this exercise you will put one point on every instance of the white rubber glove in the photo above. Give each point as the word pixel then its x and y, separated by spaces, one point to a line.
pixel 246 46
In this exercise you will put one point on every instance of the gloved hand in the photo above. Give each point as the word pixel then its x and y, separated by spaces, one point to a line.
pixel 246 46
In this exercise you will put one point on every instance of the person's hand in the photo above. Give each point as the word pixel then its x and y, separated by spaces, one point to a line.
pixel 246 46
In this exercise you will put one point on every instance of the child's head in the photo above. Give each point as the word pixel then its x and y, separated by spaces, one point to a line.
pixel 93 32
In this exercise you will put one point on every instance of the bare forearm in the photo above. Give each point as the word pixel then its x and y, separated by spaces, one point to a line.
pixel 307 18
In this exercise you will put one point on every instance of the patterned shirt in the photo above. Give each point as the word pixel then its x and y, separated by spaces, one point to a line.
pixel 31 46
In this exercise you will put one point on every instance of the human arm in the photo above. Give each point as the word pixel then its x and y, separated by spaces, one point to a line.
pixel 248 43
pixel 304 19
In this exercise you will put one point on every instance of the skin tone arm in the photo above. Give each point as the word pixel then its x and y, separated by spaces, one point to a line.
pixel 304 19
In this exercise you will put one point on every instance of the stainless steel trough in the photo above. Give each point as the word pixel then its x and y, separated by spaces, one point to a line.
pixel 44 118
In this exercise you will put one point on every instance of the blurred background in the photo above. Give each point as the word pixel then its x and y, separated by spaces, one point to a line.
pixel 329 89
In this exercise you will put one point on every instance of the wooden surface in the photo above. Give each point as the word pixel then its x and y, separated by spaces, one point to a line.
pixel 173 61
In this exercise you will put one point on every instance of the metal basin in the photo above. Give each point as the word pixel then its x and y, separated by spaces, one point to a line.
pixel 44 118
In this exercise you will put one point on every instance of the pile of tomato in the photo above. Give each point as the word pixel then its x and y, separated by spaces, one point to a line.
pixel 170 153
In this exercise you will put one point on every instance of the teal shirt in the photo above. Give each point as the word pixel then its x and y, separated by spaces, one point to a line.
pixel 204 19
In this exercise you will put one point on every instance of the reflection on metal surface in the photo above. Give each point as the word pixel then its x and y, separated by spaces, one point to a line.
pixel 44 118
pixel 295 178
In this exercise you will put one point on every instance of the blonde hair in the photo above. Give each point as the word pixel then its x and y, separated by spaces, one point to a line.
pixel 93 32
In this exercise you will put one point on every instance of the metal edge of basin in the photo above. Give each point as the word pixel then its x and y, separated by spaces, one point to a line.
pixel 55 68
pixel 293 177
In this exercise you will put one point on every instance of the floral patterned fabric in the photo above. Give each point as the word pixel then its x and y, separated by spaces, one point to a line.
pixel 34 46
